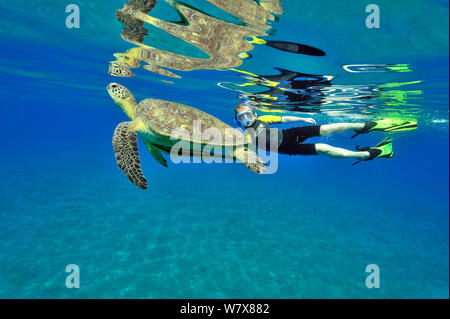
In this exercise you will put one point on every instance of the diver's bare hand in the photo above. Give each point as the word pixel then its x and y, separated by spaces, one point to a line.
pixel 311 121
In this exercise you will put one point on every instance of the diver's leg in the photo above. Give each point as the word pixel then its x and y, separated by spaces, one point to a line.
pixel 340 127
pixel 339 153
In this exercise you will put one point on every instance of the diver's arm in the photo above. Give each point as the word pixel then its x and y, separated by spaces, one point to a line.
pixel 289 119
pixel 272 119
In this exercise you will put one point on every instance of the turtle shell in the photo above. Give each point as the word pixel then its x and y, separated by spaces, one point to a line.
pixel 186 123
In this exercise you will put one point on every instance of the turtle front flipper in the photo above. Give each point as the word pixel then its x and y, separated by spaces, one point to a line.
pixel 127 154
pixel 156 153
pixel 251 159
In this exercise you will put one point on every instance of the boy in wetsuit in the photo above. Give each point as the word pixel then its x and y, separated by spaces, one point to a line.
pixel 292 141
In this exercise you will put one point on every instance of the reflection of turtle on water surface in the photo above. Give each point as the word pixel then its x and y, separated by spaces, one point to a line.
pixel 156 120
pixel 134 29
pixel 224 42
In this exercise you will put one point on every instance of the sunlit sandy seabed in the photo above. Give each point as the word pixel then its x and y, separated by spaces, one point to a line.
pixel 220 231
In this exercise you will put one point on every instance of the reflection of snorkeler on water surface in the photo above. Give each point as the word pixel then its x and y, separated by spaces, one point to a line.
pixel 307 93
pixel 289 90
pixel 292 141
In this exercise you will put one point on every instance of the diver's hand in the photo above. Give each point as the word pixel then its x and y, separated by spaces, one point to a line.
pixel 309 120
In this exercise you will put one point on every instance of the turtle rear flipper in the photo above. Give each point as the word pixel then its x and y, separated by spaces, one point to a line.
pixel 127 154
pixel 250 159
pixel 156 153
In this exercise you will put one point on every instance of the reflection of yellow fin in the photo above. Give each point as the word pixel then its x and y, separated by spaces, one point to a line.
pixel 272 84
pixel 244 72
pixel 397 84
pixel 256 40
pixel 255 78
pixel 246 84
pixel 399 67
pixel 244 55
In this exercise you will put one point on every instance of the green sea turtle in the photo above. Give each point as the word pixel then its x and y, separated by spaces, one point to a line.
pixel 156 120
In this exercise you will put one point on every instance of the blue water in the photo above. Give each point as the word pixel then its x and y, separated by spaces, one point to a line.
pixel 218 231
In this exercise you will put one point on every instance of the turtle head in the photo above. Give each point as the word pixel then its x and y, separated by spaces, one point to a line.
pixel 123 97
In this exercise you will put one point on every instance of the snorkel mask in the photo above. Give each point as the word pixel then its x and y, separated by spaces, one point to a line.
pixel 245 118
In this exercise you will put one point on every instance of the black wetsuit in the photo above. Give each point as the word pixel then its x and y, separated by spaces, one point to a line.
pixel 289 141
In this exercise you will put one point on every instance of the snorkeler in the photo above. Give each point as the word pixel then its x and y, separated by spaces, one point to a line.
pixel 292 141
